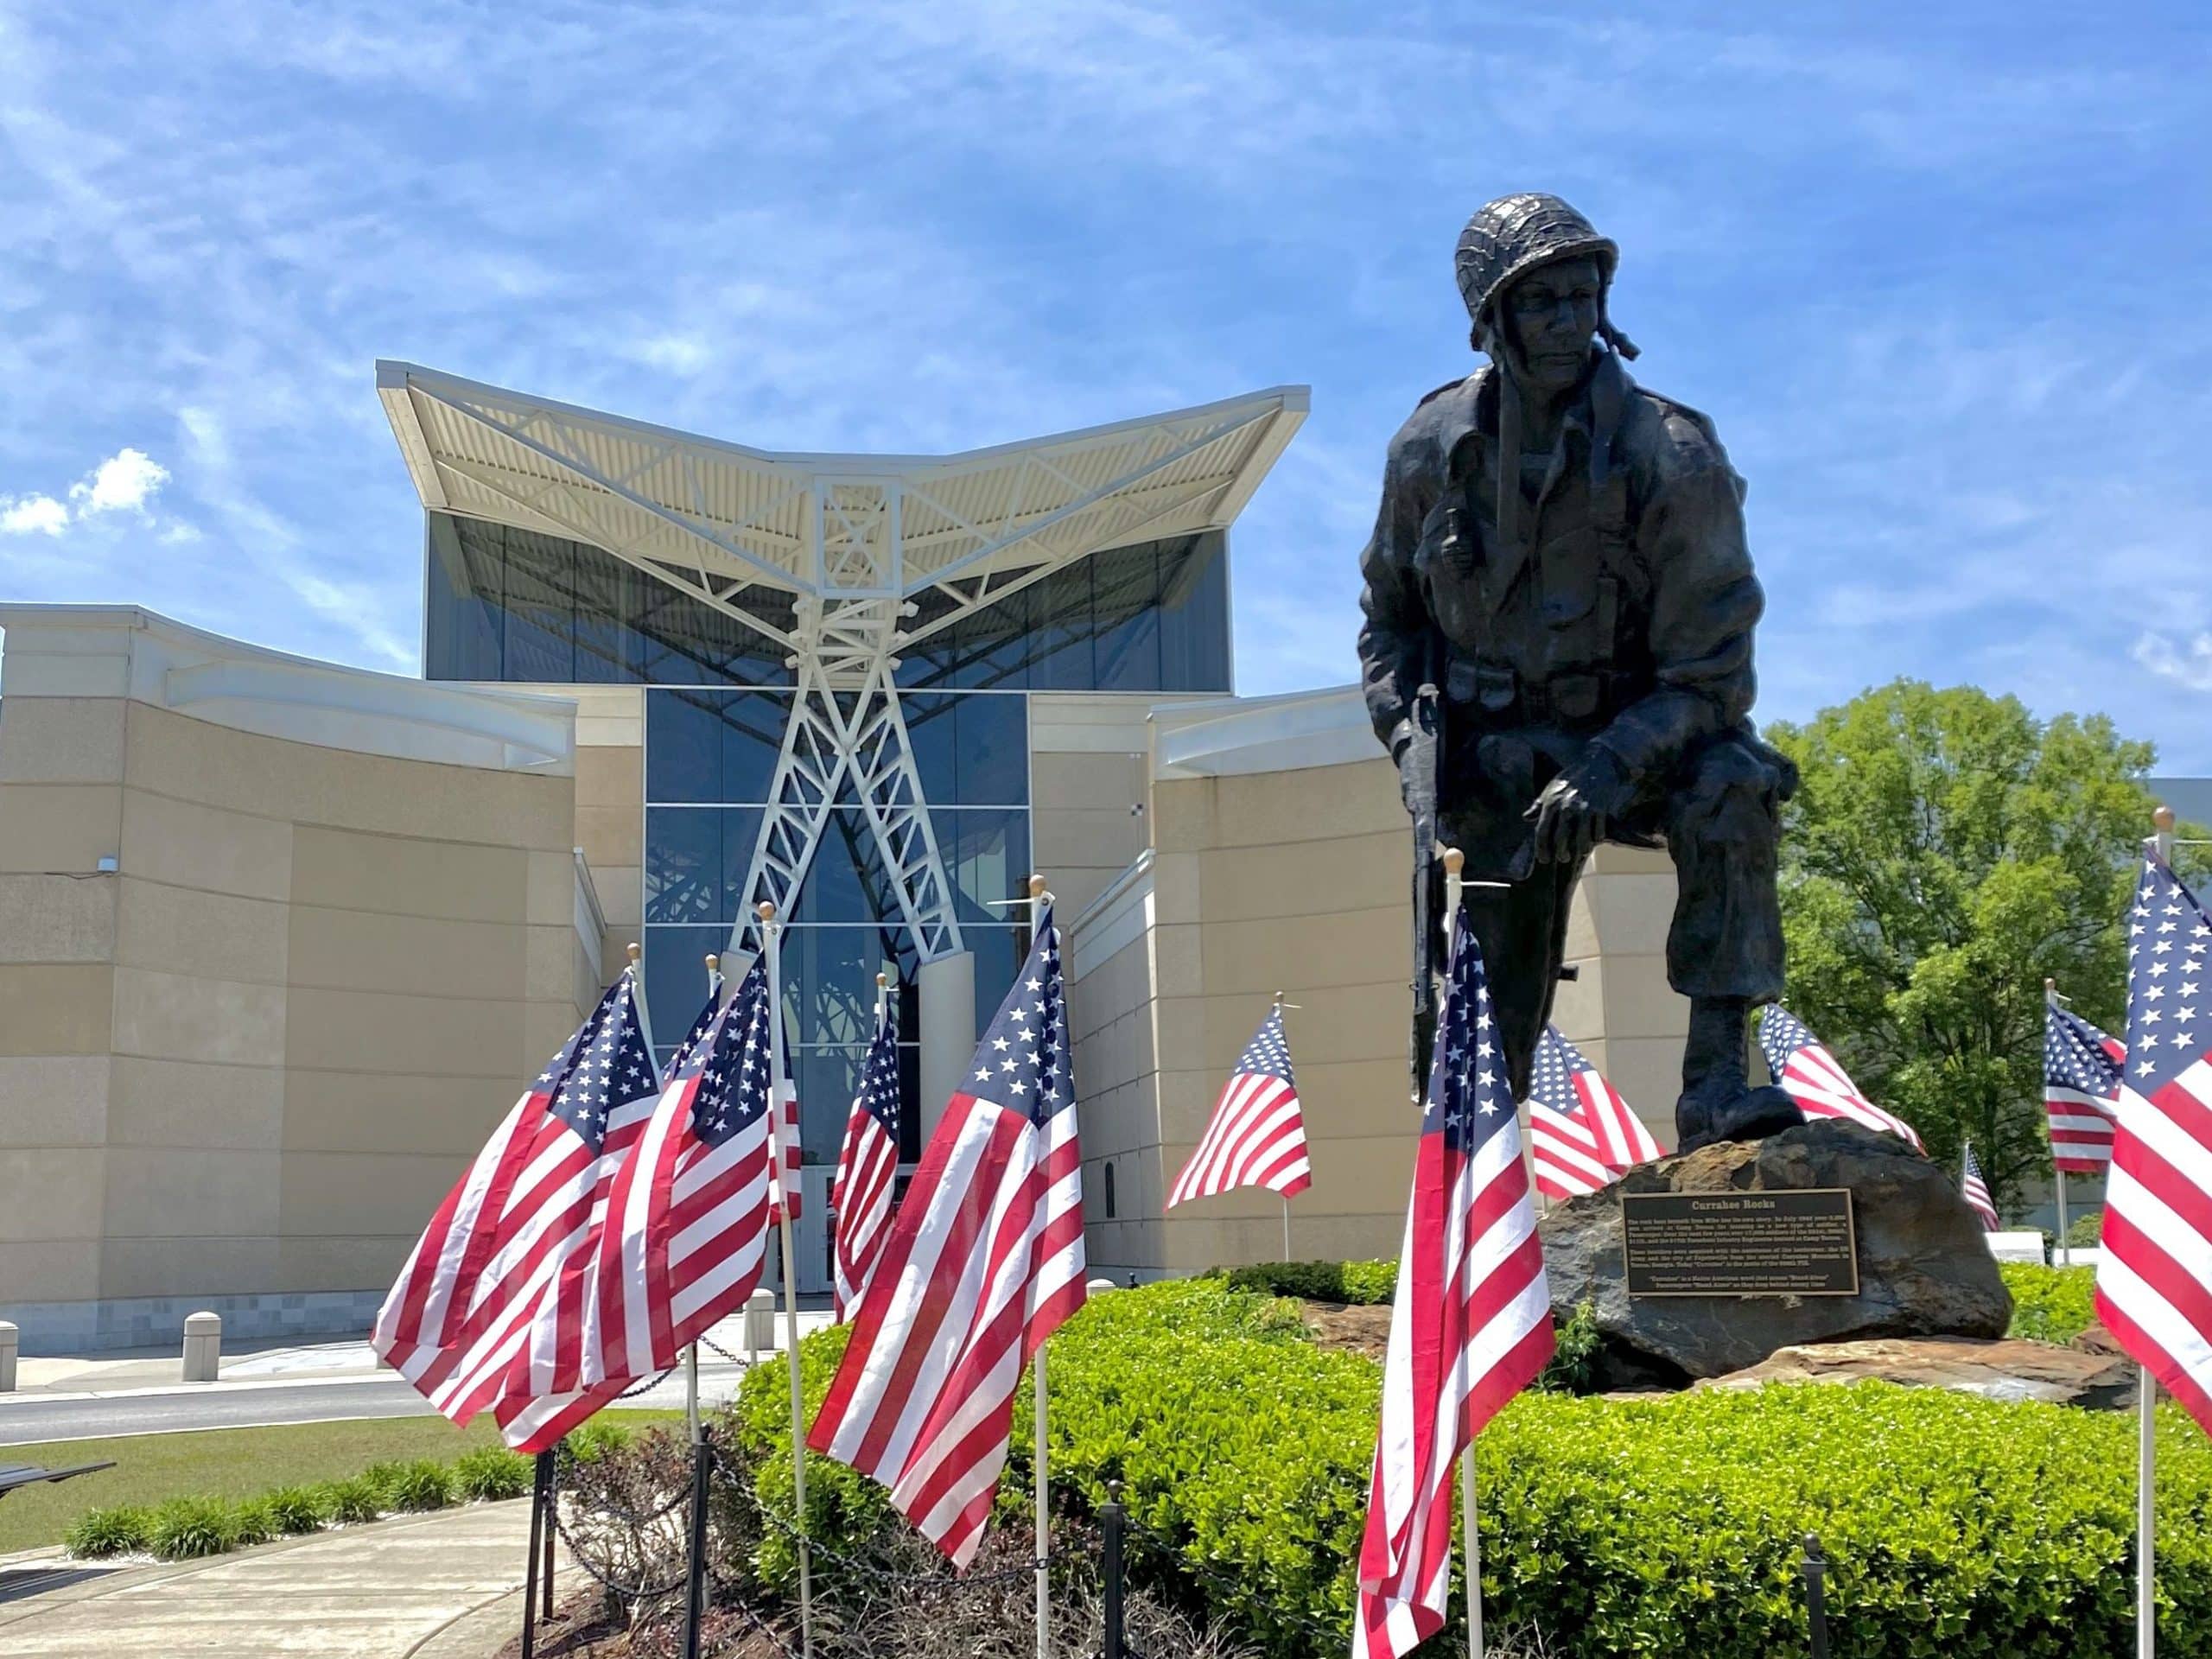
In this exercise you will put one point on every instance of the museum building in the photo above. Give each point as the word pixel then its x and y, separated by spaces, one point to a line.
pixel 280 939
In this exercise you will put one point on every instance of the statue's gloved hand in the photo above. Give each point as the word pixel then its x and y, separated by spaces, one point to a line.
pixel 1417 774
pixel 1569 818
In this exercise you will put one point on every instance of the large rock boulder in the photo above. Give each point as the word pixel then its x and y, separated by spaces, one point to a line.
pixel 1924 1269
pixel 2010 1370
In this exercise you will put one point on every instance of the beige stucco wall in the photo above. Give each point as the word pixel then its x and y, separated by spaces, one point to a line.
pixel 250 1060
pixel 1295 879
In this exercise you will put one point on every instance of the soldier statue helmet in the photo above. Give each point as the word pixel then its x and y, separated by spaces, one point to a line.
pixel 1560 554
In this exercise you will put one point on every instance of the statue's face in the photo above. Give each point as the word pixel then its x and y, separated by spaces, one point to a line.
pixel 1550 315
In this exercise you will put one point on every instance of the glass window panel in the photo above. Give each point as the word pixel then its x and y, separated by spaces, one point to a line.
pixel 684 746
pixel 932 732
pixel 695 862
pixel 1125 593
pixel 829 982
pixel 842 882
pixel 1061 636
pixel 752 741
pixel 825 1078
pixel 991 648
pixel 997 955
pixel 910 1103
pixel 994 751
pixel 539 591
pixel 1194 614
pixel 673 967
pixel 461 600
pixel 986 851
pixel 607 594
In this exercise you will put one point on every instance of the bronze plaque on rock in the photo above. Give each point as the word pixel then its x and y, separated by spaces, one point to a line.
pixel 1798 1242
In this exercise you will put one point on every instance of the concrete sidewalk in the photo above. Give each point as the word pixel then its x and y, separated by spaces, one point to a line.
pixel 446 1585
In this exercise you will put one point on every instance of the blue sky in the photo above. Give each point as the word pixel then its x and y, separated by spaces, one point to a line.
pixel 1936 270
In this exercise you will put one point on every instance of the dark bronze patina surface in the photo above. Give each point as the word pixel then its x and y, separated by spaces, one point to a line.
pixel 1559 604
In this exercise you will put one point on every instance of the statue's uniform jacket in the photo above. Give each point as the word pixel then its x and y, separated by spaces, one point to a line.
pixel 1620 616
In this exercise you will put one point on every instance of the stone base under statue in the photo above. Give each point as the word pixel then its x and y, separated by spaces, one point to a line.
pixel 1924 1268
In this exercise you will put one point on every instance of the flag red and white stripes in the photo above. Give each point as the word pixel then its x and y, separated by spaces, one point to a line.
pixel 1816 1080
pixel 984 1263
pixel 787 1188
pixel 1976 1191
pixel 1257 1134
pixel 1470 1325
pixel 868 1169
pixel 2080 1091
pixel 1582 1134
pixel 2154 1276
pixel 686 1224
pixel 488 1303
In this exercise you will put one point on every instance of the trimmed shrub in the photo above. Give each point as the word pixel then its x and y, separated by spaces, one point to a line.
pixel 419 1486
pixel 1579 1340
pixel 595 1438
pixel 1358 1284
pixel 2049 1304
pixel 186 1528
pixel 349 1502
pixel 2085 1230
pixel 296 1509
pixel 491 1473
pixel 125 1530
pixel 252 1522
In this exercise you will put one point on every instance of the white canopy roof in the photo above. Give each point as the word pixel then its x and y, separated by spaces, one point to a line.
pixel 716 518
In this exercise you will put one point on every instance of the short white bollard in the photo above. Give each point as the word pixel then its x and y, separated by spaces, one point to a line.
pixel 10 1338
pixel 760 1324
pixel 1097 1287
pixel 203 1346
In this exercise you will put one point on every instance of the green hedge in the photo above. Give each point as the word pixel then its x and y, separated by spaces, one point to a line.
pixel 1358 1284
pixel 187 1527
pixel 2049 1304
pixel 1956 1525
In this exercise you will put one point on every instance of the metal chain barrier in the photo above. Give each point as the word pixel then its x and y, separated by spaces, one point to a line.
pixel 821 1551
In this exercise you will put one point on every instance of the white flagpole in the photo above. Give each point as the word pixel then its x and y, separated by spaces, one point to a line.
pixel 2146 1400
pixel 772 935
pixel 1455 863
pixel 1038 900
pixel 2065 1254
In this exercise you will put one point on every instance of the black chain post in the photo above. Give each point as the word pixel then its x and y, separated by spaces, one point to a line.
pixel 552 1510
pixel 1816 1606
pixel 540 1481
pixel 695 1596
pixel 1111 1517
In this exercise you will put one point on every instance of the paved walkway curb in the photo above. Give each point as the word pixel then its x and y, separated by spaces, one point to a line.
pixel 424 1586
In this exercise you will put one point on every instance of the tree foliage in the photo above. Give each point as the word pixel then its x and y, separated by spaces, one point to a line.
pixel 1947 852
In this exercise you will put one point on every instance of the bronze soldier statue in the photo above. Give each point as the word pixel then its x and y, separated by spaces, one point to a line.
pixel 1559 564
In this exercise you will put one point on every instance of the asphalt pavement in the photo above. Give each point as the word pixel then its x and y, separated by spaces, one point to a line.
pixel 28 1418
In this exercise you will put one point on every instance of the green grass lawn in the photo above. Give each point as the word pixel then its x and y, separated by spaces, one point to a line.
pixel 227 1462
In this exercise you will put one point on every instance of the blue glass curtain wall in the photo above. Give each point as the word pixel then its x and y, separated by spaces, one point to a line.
pixel 507 604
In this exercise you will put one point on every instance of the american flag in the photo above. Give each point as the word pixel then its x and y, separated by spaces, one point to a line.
pixel 489 1304
pixel 1976 1191
pixel 1582 1134
pixel 2080 1091
pixel 1470 1325
pixel 2154 1279
pixel 1257 1136
pixel 984 1261
pixel 686 1222
pixel 867 1168
pixel 1812 1077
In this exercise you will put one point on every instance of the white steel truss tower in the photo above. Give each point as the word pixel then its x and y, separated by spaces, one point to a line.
pixel 866 555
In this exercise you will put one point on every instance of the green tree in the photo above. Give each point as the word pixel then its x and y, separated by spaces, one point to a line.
pixel 1946 852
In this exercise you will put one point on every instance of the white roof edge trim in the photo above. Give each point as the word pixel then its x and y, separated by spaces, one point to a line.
pixel 395 379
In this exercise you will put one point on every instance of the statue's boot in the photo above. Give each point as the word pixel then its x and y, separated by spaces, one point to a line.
pixel 1718 1102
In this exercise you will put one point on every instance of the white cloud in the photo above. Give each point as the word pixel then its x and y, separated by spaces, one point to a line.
pixel 29 515
pixel 684 355
pixel 2189 664
pixel 124 482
